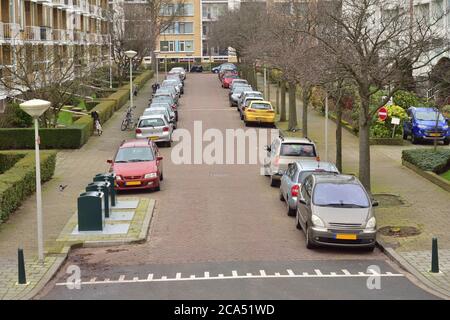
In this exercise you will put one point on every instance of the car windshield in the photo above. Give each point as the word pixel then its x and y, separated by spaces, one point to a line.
pixel 135 154
pixel 248 101
pixel 426 116
pixel 261 106
pixel 153 111
pixel 239 89
pixel 151 122
pixel 341 195
pixel 297 150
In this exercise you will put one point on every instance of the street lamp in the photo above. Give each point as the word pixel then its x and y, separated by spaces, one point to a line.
pixel 165 48
pixel 189 55
pixel 156 52
pixel 131 54
pixel 35 108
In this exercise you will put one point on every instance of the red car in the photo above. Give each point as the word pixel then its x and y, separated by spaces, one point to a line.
pixel 137 165
pixel 227 79
pixel 224 73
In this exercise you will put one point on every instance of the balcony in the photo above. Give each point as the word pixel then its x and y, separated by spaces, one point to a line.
pixel 59 35
pixel 46 34
pixel 9 31
pixel 79 37
pixel 32 33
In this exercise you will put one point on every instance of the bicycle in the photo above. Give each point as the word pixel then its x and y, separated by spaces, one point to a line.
pixel 128 122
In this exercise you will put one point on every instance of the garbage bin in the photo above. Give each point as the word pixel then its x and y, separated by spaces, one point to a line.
pixel 104 187
pixel 90 211
pixel 111 178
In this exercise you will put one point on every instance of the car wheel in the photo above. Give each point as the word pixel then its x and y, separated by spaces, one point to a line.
pixel 290 212
pixel 246 123
pixel 168 144
pixel 446 142
pixel 414 140
pixel 281 196
pixel 273 182
pixel 405 135
pixel 298 225
pixel 309 242
pixel 241 115
pixel 161 178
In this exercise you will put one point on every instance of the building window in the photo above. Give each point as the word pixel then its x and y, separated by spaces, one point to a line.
pixel 189 46
pixel 167 46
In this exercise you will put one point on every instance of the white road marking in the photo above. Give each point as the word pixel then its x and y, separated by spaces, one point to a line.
pixel 262 275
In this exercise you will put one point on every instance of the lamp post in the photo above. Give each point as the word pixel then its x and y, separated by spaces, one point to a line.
pixel 35 108
pixel 110 62
pixel 189 55
pixel 157 67
pixel 131 54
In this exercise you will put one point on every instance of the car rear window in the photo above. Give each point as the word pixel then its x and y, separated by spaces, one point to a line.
pixel 151 122
pixel 135 154
pixel 297 150
pixel 248 101
pixel 261 106
pixel 305 174
pixel 340 195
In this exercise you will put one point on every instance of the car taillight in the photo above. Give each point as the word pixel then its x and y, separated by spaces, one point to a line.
pixel 294 190
pixel 174 107
pixel 276 161
pixel 166 129
pixel 250 110
pixel 138 131
pixel 270 111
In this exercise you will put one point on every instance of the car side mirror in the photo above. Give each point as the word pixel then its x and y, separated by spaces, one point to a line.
pixel 375 203
pixel 268 148
pixel 159 158
pixel 109 161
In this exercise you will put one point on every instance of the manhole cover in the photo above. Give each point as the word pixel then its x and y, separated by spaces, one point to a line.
pixel 388 200
pixel 399 231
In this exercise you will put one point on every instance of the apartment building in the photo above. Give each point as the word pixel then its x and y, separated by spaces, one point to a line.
pixel 36 29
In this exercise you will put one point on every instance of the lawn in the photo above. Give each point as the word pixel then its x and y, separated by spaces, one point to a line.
pixel 446 175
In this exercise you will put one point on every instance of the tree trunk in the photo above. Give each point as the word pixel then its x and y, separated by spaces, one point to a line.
pixel 292 106
pixel 278 98
pixel 255 78
pixel 364 147
pixel 305 97
pixel 339 136
pixel 283 102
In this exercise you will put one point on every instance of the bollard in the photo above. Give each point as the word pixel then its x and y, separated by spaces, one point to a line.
pixel 434 256
pixel 22 276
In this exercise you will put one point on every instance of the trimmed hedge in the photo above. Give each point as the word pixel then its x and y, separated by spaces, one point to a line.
pixel 428 160
pixel 7 161
pixel 19 182
pixel 77 134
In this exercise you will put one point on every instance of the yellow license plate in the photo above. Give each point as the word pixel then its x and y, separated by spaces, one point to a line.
pixel 435 134
pixel 154 138
pixel 344 236
pixel 133 183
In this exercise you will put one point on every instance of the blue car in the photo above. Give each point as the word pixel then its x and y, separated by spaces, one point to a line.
pixel 227 65
pixel 421 125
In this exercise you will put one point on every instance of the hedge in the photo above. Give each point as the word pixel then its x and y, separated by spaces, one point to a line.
pixel 428 160
pixel 77 134
pixel 19 182
pixel 8 160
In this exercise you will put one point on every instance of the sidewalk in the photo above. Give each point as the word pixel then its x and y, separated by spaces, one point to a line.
pixel 74 168
pixel 426 206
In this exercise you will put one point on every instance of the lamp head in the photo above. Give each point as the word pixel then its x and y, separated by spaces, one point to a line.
pixel 130 54
pixel 35 107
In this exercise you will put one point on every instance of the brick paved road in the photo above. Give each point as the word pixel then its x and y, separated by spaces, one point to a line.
pixel 213 213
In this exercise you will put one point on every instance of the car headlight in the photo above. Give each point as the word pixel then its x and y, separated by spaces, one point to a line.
pixel 421 126
pixel 150 175
pixel 371 223
pixel 445 127
pixel 317 222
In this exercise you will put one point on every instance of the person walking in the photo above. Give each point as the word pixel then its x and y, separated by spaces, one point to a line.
pixel 97 125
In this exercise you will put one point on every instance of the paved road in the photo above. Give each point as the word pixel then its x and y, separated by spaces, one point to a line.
pixel 227 221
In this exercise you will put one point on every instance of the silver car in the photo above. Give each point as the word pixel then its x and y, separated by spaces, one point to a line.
pixel 179 70
pixel 155 127
pixel 172 83
pixel 235 93
pixel 336 210
pixel 237 82
pixel 283 151
pixel 162 109
pixel 246 103
pixel 295 175
pixel 176 78
pixel 169 89
pixel 245 94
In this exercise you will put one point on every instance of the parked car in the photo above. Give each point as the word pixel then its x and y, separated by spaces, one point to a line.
pixel 171 89
pixel 241 108
pixel 283 151
pixel 197 68
pixel 224 65
pixel 226 81
pixel 421 125
pixel 178 75
pixel 238 81
pixel 245 94
pixel 172 83
pixel 137 164
pixel 225 72
pixel 336 210
pixel 179 70
pixel 295 175
pixel 162 109
pixel 166 98
pixel 176 78
pixel 260 112
pixel 147 61
pixel 235 93
pixel 155 127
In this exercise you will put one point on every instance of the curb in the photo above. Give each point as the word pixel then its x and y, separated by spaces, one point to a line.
pixel 429 175
pixel 405 265
pixel 56 267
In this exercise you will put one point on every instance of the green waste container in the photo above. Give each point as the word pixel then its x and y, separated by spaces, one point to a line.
pixel 91 216
pixel 111 178
pixel 104 187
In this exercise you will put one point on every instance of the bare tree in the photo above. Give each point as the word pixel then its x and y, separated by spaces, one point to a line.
pixel 374 42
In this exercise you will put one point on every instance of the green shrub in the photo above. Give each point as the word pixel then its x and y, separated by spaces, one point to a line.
pixel 428 160
pixel 19 182
pixel 8 160
pixel 406 99
pixel 20 118
pixel 383 129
